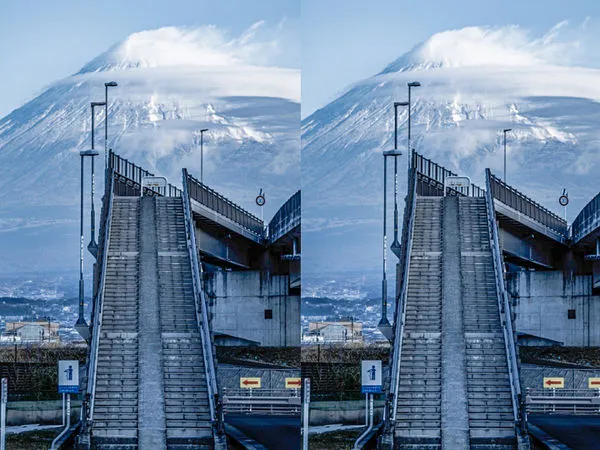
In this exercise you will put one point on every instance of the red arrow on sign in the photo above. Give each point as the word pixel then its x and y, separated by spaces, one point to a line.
pixel 550 382
pixel 595 382
pixel 247 382
pixel 299 383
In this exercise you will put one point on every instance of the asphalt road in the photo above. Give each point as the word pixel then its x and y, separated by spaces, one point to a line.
pixel 577 432
pixel 274 432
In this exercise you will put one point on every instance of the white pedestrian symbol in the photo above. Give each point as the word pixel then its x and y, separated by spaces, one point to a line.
pixel 69 373
pixel 372 371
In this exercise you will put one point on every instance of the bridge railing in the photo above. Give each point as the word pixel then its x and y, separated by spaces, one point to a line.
pixel 129 178
pixel 523 204
pixel 563 401
pixel 287 218
pixel 400 308
pixel 262 401
pixel 432 177
pixel 222 205
pixel 587 220
pixel 505 313
pixel 208 351
pixel 98 301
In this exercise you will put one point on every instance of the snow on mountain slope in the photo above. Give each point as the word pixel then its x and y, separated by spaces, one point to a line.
pixel 172 83
pixel 475 82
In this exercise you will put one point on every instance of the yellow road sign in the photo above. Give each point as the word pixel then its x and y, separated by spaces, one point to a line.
pixel 293 383
pixel 594 383
pixel 554 382
pixel 250 382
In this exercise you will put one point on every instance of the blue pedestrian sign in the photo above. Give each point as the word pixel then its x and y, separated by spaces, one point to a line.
pixel 68 377
pixel 371 377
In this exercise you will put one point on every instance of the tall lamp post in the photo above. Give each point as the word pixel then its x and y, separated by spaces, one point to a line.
pixel 506 130
pixel 93 246
pixel 384 325
pixel 202 131
pixel 81 326
pixel 410 86
pixel 106 86
pixel 395 244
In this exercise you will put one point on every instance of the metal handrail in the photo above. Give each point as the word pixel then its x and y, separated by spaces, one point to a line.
pixel 201 306
pixel 286 218
pixel 133 174
pixel 222 205
pixel 587 220
pixel 437 174
pixel 400 313
pixel 520 202
pixel 504 306
pixel 99 298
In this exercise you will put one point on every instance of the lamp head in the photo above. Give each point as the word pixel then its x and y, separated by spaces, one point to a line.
pixel 506 130
pixel 98 104
pixel 111 84
pixel 396 104
pixel 203 130
pixel 414 84
pixel 394 152
pixel 90 152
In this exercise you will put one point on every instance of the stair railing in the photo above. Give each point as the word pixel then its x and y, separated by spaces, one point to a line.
pixel 400 309
pixel 98 303
pixel 201 310
pixel 504 310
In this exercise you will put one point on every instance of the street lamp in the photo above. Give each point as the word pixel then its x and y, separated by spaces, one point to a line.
pixel 506 130
pixel 202 131
pixel 106 86
pixel 396 245
pixel 411 85
pixel 384 324
pixel 93 246
pixel 81 326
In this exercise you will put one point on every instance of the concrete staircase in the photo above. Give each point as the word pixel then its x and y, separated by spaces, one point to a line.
pixel 115 412
pixel 151 387
pixel 491 420
pixel 186 397
pixel 454 388
pixel 418 423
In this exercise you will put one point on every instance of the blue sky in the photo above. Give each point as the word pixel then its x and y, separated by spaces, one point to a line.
pixel 344 41
pixel 43 41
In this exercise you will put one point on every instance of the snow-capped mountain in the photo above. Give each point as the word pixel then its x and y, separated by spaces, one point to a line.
pixel 172 82
pixel 475 82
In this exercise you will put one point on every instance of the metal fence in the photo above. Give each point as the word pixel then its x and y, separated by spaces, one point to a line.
pixel 287 218
pixel 286 402
pixel 221 205
pixel 523 204
pixel 587 220
pixel 563 401
pixel 129 178
pixel 431 177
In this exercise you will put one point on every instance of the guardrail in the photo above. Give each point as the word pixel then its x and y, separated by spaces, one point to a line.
pixel 99 297
pixel 262 401
pixel 563 401
pixel 130 175
pixel 208 351
pixel 505 313
pixel 523 204
pixel 434 175
pixel 587 220
pixel 400 313
pixel 286 218
pixel 222 205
